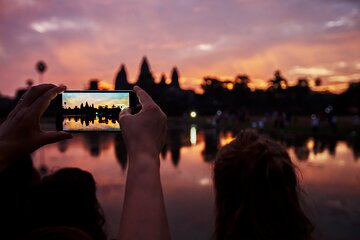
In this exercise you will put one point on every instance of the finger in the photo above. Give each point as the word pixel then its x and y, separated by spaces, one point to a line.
pixel 144 98
pixel 15 110
pixel 55 136
pixel 123 113
pixel 28 97
pixel 35 92
pixel 126 111
pixel 43 101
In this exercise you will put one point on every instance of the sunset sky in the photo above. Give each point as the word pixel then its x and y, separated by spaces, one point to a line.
pixel 82 40
pixel 98 99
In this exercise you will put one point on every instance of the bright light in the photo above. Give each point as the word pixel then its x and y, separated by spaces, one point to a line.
pixel 205 181
pixel 168 81
pixel 230 86
pixel 193 135
pixel 193 114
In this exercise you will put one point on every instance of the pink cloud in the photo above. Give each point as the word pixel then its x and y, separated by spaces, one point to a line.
pixel 82 41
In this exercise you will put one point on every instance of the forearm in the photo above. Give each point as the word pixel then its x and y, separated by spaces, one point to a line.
pixel 144 214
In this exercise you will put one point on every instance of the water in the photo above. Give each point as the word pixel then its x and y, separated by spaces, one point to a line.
pixel 330 176
pixel 90 123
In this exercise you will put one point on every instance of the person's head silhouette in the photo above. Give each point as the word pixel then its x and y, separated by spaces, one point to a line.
pixel 257 191
pixel 67 198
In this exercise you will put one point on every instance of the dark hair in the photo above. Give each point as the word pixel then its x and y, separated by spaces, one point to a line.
pixel 257 192
pixel 67 198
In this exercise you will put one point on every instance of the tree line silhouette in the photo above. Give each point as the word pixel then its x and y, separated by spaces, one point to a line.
pixel 228 96
pixel 235 96
pixel 87 113
pixel 89 109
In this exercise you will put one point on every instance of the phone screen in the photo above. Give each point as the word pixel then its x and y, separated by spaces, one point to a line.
pixel 92 110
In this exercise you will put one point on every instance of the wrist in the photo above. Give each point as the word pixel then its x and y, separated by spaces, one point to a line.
pixel 143 171
pixel 144 160
pixel 141 153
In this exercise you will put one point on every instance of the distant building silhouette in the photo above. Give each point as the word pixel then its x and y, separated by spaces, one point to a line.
pixel 318 82
pixel 162 84
pixel 94 84
pixel 175 79
pixel 146 79
pixel 121 81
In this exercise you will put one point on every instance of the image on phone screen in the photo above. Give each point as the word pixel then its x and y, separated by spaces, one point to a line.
pixel 92 110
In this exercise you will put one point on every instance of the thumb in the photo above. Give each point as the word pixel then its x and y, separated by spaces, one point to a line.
pixel 124 113
pixel 55 136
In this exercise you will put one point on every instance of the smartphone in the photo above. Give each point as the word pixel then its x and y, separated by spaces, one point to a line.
pixel 92 111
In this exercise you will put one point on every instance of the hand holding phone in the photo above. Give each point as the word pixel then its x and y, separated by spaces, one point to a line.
pixel 145 131
pixel 92 111
pixel 20 133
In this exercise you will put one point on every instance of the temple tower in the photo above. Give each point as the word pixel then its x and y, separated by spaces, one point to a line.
pixel 146 79
pixel 175 79
pixel 121 82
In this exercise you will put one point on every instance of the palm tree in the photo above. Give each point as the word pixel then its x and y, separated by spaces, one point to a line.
pixel 278 82
pixel 242 82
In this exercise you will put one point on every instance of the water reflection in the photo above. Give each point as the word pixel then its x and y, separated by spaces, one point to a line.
pixel 174 143
pixel 120 151
pixel 213 139
pixel 330 174
pixel 354 144
pixel 193 137
pixel 96 142
pixel 89 122
pixel 62 146
pixel 212 143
